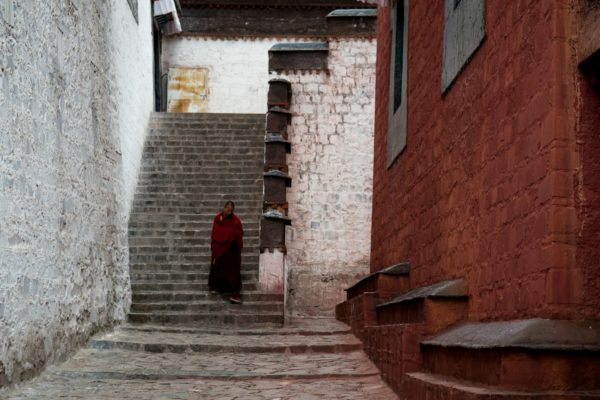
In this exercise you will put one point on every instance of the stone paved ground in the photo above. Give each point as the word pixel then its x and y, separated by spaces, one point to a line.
pixel 308 359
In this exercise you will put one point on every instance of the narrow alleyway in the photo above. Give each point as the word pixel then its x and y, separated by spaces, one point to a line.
pixel 313 359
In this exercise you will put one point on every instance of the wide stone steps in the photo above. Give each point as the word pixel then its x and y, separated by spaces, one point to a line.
pixel 152 276
pixel 200 239
pixel 204 307
pixel 243 317
pixel 183 296
pixel 191 165
pixel 170 342
pixel 194 260
pixel 180 286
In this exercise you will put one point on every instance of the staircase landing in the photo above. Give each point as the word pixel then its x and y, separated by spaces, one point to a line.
pixel 309 359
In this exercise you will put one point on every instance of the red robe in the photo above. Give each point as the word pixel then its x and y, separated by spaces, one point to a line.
pixel 225 233
pixel 227 240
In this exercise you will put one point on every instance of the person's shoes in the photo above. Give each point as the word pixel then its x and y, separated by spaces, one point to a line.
pixel 236 299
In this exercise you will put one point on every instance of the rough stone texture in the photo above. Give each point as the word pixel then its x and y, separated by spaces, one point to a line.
pixel 331 168
pixel 272 271
pixel 314 359
pixel 71 125
pixel 491 186
pixel 238 73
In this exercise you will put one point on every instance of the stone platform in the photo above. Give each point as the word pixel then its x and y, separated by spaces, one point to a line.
pixel 306 359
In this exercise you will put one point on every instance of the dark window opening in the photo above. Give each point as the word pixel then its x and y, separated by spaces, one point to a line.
pixel 456 3
pixel 398 53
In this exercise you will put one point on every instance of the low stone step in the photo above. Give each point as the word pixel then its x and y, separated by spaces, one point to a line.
pixel 217 172
pixel 556 354
pixel 238 319
pixel 186 218
pixel 215 306
pixel 183 296
pixel 181 286
pixel 152 276
pixel 250 165
pixel 422 385
pixel 200 237
pixel 249 267
pixel 199 174
pixel 200 144
pixel 175 260
pixel 301 326
pixel 127 365
pixel 153 342
pixel 179 228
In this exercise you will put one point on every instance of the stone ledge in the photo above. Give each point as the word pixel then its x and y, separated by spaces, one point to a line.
pixel 299 56
pixel 530 334
pixel 448 289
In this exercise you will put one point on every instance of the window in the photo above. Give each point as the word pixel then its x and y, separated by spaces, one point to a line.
pixel 464 31
pixel 398 78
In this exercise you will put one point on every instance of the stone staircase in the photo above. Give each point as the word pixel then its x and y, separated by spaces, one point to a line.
pixel 192 164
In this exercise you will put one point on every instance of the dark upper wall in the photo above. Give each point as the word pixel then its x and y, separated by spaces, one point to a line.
pixel 270 18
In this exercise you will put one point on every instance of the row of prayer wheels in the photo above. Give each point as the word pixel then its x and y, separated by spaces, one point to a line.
pixel 276 178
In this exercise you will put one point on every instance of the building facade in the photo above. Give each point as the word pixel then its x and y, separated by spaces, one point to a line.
pixel 486 174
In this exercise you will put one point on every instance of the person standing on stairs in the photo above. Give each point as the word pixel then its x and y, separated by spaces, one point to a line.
pixel 227 241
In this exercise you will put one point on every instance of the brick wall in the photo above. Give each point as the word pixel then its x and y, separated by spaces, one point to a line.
pixel 486 186
pixel 75 95
pixel 331 168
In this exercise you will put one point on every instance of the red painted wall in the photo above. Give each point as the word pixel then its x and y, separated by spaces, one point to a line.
pixel 494 185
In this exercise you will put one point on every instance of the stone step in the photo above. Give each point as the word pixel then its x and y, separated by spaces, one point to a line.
pixel 163 342
pixel 497 353
pixel 200 248
pixel 301 326
pixel 197 276
pixel 422 385
pixel 202 163
pixel 249 267
pixel 175 259
pixel 183 296
pixel 214 171
pixel 220 134
pixel 181 286
pixel 237 319
pixel 181 228
pixel 201 174
pixel 210 190
pixel 199 239
pixel 177 145
pixel 132 365
pixel 214 205
pixel 205 307
pixel 240 148
pixel 187 218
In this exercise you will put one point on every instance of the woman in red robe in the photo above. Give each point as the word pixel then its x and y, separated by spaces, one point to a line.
pixel 227 241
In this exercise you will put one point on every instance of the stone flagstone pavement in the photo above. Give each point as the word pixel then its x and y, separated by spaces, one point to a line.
pixel 307 359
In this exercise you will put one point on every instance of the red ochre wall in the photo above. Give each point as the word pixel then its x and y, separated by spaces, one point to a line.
pixel 494 184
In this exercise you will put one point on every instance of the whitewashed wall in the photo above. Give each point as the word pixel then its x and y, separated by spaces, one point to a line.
pixel 75 94
pixel 331 166
pixel 238 69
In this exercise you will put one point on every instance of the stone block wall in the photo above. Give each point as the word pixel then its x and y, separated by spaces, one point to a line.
pixel 331 134
pixel 75 96
pixel 491 185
